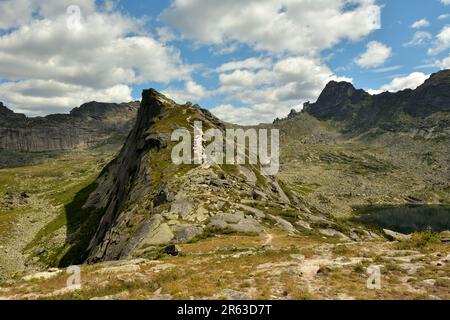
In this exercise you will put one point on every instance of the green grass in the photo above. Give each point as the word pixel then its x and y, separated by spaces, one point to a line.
pixel 62 183
pixel 420 240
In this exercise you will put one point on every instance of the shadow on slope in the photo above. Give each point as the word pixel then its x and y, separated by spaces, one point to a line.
pixel 81 226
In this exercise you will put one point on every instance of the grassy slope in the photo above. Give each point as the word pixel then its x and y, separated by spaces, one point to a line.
pixel 291 268
pixel 339 174
pixel 37 225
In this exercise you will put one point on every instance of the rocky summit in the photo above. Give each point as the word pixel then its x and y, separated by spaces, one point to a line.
pixel 425 108
pixel 363 186
pixel 146 202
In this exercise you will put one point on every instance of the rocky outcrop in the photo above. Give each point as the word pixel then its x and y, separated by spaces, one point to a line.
pixel 423 110
pixel 85 126
pixel 337 101
pixel 147 202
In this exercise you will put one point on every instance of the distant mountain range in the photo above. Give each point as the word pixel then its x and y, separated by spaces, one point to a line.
pixel 83 127
pixel 423 111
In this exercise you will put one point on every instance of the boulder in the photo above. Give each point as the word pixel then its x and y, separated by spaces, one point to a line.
pixel 303 224
pixel 396 236
pixel 186 232
pixel 236 222
pixel 334 233
pixel 159 232
pixel 283 224
pixel 182 207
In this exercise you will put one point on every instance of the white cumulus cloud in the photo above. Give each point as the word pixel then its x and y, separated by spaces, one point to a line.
pixel 442 41
pixel 100 59
pixel 376 55
pixel 274 25
pixel 411 81
pixel 272 91
pixel 191 92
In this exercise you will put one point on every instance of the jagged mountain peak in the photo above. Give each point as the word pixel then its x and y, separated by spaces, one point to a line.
pixel 360 111
pixel 95 108
pixel 143 200
pixel 338 93
pixel 334 100
pixel 339 86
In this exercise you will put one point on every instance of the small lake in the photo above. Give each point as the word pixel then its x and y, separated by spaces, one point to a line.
pixel 405 219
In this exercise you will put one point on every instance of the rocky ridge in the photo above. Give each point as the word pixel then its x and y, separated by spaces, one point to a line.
pixel 84 127
pixel 422 112
pixel 146 202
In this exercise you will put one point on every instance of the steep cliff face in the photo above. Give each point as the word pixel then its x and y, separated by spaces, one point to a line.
pixel 146 202
pixel 425 108
pixel 83 127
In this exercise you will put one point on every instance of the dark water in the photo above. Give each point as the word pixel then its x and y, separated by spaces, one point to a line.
pixel 405 219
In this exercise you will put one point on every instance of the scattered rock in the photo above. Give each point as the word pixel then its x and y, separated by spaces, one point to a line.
pixel 186 232
pixel 158 295
pixel 120 263
pixel 162 267
pixel 283 224
pixel 200 215
pixel 236 222
pixel 256 212
pixel 396 236
pixel 334 233
pixel 248 174
pixel 303 224
pixel 182 207
pixel 159 232
pixel 429 282
pixel 25 195
pixel 324 270
pixel 445 236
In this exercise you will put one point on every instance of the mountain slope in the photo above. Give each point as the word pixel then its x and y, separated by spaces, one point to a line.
pixel 351 150
pixel 145 201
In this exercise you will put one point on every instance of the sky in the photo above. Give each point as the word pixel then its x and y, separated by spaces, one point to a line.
pixel 248 61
